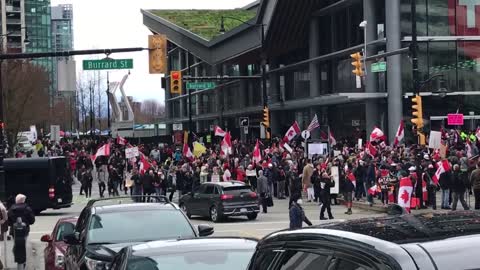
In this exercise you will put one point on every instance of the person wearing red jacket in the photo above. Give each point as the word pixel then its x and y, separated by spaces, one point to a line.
pixel 240 174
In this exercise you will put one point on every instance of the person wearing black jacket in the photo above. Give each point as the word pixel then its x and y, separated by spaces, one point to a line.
pixel 326 183
pixel 147 183
pixel 20 210
pixel 297 214
pixel 459 188
pixel 348 189
pixel 295 184
pixel 445 184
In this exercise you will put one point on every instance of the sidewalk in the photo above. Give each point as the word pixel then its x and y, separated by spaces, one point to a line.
pixel 378 207
pixel 10 263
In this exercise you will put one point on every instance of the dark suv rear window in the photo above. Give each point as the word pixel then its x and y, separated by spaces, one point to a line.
pixel 237 190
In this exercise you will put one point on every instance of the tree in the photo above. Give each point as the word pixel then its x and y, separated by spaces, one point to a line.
pixel 26 100
pixel 150 111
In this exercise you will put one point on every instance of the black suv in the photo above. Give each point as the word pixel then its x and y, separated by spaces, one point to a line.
pixel 107 225
pixel 221 199
pixel 432 241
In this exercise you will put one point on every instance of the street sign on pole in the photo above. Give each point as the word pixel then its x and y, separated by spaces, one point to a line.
pixel 379 67
pixel 177 126
pixel 104 64
pixel 245 130
pixel 200 85
pixel 244 122
pixel 305 134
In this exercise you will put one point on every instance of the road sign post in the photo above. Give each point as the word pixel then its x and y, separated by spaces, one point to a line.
pixel 105 64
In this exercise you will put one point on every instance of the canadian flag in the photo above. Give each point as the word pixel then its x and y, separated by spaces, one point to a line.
pixel 187 152
pixel 372 190
pixel 144 164
pixel 377 135
pixel 102 151
pixel 370 149
pixel 291 132
pixel 331 139
pixel 405 193
pixel 219 132
pixel 121 140
pixel 226 145
pixel 400 134
pixel 442 166
pixel 352 178
pixel 257 155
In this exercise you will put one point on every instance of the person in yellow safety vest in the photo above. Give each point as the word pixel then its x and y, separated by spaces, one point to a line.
pixel 473 138
pixel 463 135
pixel 209 138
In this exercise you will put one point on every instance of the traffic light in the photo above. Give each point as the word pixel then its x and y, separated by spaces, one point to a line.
pixel 266 122
pixel 357 64
pixel 157 54
pixel 417 113
pixel 176 82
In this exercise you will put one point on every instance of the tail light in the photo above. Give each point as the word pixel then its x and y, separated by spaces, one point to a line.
pixel 51 192
pixel 224 197
pixel 253 195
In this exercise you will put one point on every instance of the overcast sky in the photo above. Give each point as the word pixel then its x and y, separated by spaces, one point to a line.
pixel 103 24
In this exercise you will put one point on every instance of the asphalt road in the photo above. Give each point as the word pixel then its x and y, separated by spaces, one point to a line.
pixel 276 219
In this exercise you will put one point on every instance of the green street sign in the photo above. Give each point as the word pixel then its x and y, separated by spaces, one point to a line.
pixel 200 85
pixel 379 67
pixel 104 64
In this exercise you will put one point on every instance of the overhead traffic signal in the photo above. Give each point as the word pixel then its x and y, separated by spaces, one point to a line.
pixel 266 122
pixel 417 112
pixel 357 64
pixel 176 82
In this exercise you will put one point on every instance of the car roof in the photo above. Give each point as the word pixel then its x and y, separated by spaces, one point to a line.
pixel 312 234
pixel 410 228
pixel 129 207
pixel 228 184
pixel 453 253
pixel 193 244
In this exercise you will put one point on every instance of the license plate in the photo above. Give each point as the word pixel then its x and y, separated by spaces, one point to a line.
pixel 243 210
pixel 59 200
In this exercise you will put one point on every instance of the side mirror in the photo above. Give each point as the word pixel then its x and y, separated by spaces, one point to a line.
pixel 205 230
pixel 46 238
pixel 71 239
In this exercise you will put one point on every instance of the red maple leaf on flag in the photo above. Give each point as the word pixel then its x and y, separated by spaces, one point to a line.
pixel 405 196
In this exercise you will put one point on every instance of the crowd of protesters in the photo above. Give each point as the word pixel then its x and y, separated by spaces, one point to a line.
pixel 371 172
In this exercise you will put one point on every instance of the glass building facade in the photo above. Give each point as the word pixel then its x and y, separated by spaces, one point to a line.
pixel 39 32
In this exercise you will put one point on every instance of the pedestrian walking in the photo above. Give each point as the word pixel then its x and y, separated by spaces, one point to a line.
pixel 459 188
pixel 20 210
pixel 326 183
pixel 263 190
pixel 307 180
pixel 297 214
pixel 475 184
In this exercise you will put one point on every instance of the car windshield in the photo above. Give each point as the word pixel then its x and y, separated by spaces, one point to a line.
pixel 237 190
pixel 198 260
pixel 138 226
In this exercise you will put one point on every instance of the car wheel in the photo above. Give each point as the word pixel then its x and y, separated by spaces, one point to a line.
pixel 215 215
pixel 185 210
pixel 252 216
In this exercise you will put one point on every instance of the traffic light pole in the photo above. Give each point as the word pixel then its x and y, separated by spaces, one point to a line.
pixel 33 56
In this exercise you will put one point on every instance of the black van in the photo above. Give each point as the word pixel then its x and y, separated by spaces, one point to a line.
pixel 45 181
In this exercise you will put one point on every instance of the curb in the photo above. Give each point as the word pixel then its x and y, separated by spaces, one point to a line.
pixel 365 206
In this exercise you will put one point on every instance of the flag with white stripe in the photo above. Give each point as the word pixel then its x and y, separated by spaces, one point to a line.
pixel 314 124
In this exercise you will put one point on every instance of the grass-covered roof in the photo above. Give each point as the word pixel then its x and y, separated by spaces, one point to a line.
pixel 205 23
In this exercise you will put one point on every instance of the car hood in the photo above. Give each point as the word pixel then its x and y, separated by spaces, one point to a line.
pixel 106 252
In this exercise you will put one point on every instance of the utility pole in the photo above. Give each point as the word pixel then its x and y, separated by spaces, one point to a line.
pixel 91 110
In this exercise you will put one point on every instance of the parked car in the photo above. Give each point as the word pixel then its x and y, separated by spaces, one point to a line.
pixel 221 199
pixel 425 241
pixel 107 225
pixel 187 254
pixel 54 252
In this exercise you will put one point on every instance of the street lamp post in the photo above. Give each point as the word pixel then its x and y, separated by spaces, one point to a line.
pixel 263 54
